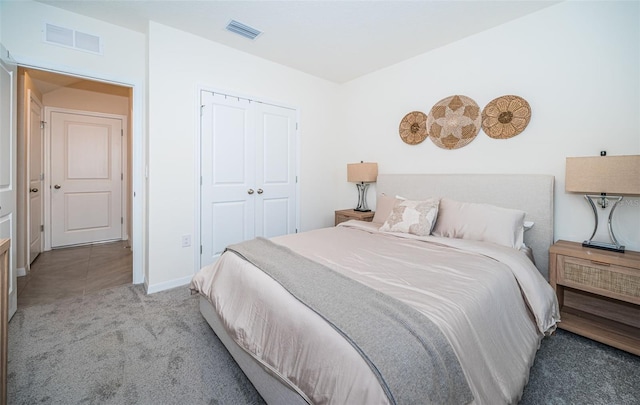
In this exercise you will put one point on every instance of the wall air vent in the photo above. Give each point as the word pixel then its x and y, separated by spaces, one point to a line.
pixel 58 35
pixel 72 39
pixel 243 30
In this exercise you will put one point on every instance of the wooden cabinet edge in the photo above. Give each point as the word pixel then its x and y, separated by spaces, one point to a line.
pixel 347 214
pixel 4 317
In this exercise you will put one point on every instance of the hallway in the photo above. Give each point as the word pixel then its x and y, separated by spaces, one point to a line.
pixel 75 271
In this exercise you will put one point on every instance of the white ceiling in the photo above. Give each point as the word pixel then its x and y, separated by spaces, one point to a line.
pixel 335 40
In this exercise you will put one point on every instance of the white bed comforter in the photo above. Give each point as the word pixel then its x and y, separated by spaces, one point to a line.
pixel 490 302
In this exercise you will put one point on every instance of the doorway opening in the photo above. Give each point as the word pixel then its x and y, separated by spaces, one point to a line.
pixel 84 153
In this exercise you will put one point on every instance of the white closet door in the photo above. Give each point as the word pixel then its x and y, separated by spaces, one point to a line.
pixel 227 174
pixel 248 172
pixel 275 170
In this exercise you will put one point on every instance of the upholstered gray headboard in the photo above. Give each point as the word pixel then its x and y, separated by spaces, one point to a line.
pixel 530 193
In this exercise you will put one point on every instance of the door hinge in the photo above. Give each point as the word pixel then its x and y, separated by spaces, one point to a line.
pixel 296 126
pixel 122 132
pixel 200 249
pixel 121 220
pixel 201 109
pixel 296 179
pixel 41 176
pixel 121 176
pixel 41 228
pixel 42 124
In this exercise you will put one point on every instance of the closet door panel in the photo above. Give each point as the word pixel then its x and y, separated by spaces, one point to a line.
pixel 227 174
pixel 276 170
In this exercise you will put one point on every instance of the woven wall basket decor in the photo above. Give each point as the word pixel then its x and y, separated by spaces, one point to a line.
pixel 454 122
pixel 413 128
pixel 505 117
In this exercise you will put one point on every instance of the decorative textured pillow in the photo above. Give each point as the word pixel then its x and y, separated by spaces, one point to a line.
pixel 481 222
pixel 384 206
pixel 415 217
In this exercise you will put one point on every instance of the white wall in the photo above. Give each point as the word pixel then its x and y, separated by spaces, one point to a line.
pixel 22 26
pixel 576 63
pixel 178 64
pixel 86 100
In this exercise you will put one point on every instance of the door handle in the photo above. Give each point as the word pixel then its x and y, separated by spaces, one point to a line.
pixel 250 191
pixel 57 186
pixel 34 190
pixel 260 191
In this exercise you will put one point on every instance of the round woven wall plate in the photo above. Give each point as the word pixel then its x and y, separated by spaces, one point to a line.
pixel 413 128
pixel 505 117
pixel 454 122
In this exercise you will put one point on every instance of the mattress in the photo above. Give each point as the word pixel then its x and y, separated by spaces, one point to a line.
pixel 490 302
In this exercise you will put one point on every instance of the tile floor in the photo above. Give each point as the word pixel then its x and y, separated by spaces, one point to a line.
pixel 75 271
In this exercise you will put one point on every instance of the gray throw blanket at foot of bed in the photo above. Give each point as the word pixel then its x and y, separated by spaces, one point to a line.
pixel 407 352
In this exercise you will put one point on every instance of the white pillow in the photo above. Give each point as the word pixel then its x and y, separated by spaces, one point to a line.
pixel 481 222
pixel 414 217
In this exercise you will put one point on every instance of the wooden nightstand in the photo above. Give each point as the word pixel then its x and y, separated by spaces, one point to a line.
pixel 598 292
pixel 345 215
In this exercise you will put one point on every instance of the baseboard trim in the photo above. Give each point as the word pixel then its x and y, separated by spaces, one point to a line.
pixel 167 285
pixel 21 271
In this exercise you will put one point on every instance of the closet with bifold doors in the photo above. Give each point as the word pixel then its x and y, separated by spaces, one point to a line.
pixel 248 176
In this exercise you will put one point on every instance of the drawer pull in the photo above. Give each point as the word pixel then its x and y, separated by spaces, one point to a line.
pixel 601 263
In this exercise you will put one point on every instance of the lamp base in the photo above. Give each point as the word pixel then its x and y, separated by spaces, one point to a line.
pixel 604 246
pixel 615 246
pixel 362 197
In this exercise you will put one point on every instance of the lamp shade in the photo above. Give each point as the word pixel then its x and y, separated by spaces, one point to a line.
pixel 603 174
pixel 363 172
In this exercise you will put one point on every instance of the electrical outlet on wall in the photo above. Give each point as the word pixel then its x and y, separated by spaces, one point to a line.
pixel 186 240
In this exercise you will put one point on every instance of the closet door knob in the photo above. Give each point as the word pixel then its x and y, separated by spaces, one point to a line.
pixel 34 190
pixel 57 186
pixel 250 191
pixel 260 191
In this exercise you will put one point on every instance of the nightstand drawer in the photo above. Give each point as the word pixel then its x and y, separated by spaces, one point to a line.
pixel 622 283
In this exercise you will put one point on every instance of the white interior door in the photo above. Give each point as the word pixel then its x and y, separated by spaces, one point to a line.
pixel 227 174
pixel 248 172
pixel 275 170
pixel 8 194
pixel 36 177
pixel 86 178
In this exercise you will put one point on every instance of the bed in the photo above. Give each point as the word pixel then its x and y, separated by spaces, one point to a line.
pixel 466 307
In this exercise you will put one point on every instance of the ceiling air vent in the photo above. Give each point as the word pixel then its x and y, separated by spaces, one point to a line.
pixel 72 39
pixel 243 30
